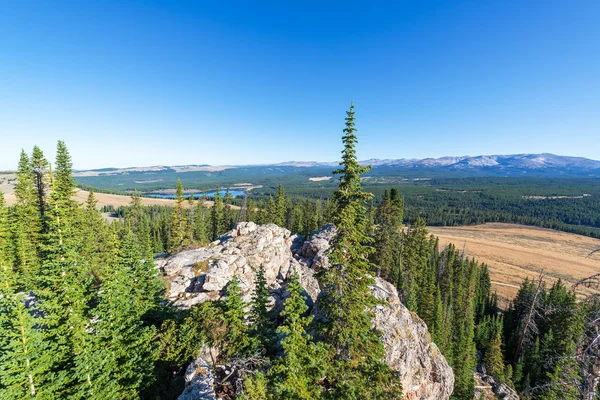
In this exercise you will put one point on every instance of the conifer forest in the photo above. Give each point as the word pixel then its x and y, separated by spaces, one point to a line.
pixel 83 311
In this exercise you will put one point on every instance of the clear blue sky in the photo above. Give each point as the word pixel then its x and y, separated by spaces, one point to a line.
pixel 226 82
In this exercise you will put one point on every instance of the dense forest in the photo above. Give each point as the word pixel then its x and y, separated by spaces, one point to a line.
pixel 83 313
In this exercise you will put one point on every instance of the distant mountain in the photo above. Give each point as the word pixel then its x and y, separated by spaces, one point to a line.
pixel 492 164
pixel 538 165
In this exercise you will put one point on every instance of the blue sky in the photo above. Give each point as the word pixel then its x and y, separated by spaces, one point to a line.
pixel 226 82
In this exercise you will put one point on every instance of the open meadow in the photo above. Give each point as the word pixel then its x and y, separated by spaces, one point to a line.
pixel 514 252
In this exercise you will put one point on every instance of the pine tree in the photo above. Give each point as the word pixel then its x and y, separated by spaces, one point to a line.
pixel 518 375
pixel 228 215
pixel 493 357
pixel 64 284
pixel 251 211
pixel 180 230
pixel 238 340
pixel 26 227
pixel 270 214
pixel 297 220
pixel 439 328
pixel 483 294
pixel 255 388
pixel 123 351
pixel 22 362
pixel 358 369
pixel 280 208
pixel 39 169
pixel 64 184
pixel 463 330
pixel 296 374
pixel 216 217
pixel 259 316
pixel 415 256
pixel 201 221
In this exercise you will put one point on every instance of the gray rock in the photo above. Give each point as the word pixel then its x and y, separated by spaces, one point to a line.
pixel 199 382
pixel 424 372
pixel 486 387
pixel 201 275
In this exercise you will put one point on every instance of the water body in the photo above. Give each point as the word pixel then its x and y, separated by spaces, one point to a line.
pixel 234 193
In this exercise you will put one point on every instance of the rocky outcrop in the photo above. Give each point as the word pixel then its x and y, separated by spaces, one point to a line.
pixel 488 388
pixel 201 275
pixel 424 372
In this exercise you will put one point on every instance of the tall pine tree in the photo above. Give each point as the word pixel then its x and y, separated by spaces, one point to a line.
pixel 358 370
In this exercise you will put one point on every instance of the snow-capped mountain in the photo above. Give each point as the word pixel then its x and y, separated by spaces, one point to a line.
pixel 544 164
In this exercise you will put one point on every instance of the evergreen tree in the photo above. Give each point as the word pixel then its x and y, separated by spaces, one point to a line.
pixel 251 211
pixel 388 215
pixel 255 388
pixel 415 256
pixel 123 352
pixel 26 227
pixel 201 221
pixel 180 230
pixel 238 340
pixel 64 184
pixel 228 215
pixel 280 208
pixel 493 357
pixel 24 361
pixel 270 214
pixel 23 366
pixel 297 373
pixel 259 315
pixel 216 217
pixel 358 370
pixel 64 286
pixel 438 327
pixel 39 169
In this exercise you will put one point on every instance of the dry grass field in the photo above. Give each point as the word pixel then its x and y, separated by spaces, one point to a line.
pixel 514 252
pixel 7 182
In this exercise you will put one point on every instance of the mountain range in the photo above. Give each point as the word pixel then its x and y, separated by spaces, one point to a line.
pixel 516 165
pixel 513 161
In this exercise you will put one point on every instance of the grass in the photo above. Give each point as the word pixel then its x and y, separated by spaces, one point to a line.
pixel 514 252
pixel 200 267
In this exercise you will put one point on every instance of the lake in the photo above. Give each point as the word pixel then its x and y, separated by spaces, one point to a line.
pixel 234 193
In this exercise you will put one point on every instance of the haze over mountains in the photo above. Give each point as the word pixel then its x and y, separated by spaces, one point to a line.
pixel 539 165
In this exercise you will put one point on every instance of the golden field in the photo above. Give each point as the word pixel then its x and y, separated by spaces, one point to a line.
pixel 514 252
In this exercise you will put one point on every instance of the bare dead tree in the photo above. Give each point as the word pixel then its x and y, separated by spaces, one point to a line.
pixel 529 325
pixel 588 354
pixel 232 375
pixel 242 213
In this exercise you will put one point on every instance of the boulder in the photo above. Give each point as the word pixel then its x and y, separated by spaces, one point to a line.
pixel 488 388
pixel 199 382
